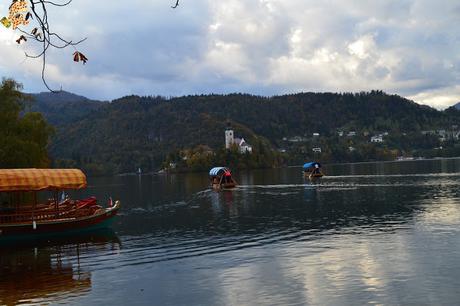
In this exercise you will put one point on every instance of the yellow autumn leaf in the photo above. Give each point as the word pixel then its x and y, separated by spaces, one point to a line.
pixel 6 22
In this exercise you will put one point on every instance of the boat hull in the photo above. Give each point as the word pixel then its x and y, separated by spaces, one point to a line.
pixel 224 186
pixel 59 227
pixel 311 175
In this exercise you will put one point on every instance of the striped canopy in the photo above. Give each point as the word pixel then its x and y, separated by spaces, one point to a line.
pixel 216 171
pixel 41 179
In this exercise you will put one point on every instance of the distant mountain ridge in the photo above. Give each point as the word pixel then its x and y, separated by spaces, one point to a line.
pixel 62 107
pixel 59 96
pixel 133 131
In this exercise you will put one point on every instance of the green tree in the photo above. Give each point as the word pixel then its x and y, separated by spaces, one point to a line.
pixel 23 137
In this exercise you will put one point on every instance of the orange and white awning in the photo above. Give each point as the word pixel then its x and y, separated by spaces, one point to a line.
pixel 41 179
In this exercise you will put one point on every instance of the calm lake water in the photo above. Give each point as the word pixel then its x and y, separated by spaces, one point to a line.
pixel 376 233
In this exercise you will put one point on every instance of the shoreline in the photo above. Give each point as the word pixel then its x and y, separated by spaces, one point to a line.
pixel 160 172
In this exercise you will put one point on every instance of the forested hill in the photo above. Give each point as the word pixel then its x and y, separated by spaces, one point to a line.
pixel 61 107
pixel 138 131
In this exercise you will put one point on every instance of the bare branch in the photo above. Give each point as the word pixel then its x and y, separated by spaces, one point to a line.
pixel 57 4
pixel 20 15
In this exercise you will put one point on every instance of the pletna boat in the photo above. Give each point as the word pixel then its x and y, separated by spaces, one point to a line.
pixel 26 213
pixel 312 170
pixel 221 178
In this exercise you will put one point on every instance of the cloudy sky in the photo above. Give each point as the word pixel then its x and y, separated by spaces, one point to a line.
pixel 266 47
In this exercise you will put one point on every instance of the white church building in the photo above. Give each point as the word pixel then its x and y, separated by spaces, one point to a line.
pixel 230 140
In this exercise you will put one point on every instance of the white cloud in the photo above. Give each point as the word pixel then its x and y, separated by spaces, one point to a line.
pixel 438 98
pixel 363 47
pixel 228 59
pixel 407 47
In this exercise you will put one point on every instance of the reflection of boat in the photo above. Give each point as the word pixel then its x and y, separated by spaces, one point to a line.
pixel 312 170
pixel 23 216
pixel 27 277
pixel 50 271
pixel 221 178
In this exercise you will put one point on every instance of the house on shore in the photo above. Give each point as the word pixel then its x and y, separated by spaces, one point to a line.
pixel 377 139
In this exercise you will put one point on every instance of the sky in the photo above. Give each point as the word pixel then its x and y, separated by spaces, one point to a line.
pixel 263 47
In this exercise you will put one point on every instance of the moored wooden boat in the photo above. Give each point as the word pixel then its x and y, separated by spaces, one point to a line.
pixel 221 178
pixel 22 216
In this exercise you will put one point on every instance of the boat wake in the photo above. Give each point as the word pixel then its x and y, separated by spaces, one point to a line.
pixel 367 176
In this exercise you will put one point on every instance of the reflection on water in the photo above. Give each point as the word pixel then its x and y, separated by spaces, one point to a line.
pixel 49 271
pixel 371 233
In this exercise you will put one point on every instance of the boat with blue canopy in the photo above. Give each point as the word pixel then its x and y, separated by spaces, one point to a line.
pixel 312 170
pixel 221 178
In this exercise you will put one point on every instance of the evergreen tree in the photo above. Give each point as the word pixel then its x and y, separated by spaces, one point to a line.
pixel 23 137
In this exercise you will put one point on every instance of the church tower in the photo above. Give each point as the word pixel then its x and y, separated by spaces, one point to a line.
pixel 229 137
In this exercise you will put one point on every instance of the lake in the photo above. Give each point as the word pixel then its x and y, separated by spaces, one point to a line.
pixel 370 233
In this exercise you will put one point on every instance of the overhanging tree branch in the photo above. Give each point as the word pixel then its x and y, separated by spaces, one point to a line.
pixel 21 12
pixel 176 5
